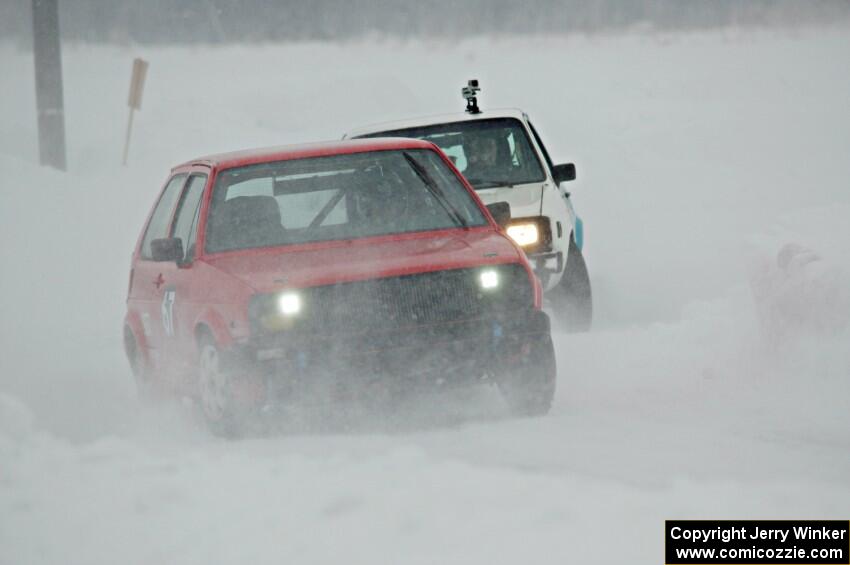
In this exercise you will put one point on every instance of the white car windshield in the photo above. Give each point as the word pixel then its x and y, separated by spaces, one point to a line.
pixel 336 197
pixel 489 152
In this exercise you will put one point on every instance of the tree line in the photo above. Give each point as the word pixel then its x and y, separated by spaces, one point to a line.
pixel 230 21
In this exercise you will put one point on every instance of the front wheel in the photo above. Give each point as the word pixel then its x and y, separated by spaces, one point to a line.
pixel 529 387
pixel 572 297
pixel 228 390
pixel 215 389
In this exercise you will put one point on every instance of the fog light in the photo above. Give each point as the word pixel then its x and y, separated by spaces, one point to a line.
pixel 289 303
pixel 489 279
pixel 524 234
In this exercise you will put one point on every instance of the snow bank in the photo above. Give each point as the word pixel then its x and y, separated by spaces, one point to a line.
pixel 804 289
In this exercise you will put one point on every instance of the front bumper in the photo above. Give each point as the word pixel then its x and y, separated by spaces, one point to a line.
pixel 427 356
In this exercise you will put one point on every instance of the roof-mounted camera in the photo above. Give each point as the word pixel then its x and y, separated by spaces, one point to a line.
pixel 469 94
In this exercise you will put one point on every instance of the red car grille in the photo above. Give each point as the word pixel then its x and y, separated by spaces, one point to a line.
pixel 411 300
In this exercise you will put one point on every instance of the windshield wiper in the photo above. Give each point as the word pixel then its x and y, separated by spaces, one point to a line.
pixel 435 191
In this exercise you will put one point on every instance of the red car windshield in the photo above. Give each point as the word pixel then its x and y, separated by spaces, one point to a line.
pixel 336 197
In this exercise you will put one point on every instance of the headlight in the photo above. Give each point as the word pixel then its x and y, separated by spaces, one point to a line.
pixel 278 311
pixel 533 234
pixel 524 234
pixel 289 303
pixel 489 279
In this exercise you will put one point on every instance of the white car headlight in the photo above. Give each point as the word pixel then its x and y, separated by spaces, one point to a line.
pixel 489 279
pixel 289 303
pixel 524 234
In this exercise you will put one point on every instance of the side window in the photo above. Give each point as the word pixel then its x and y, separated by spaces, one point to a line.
pixel 158 225
pixel 186 219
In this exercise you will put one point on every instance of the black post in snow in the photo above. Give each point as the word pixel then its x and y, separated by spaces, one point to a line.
pixel 48 83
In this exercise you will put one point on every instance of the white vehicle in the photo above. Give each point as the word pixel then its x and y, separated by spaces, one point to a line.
pixel 501 154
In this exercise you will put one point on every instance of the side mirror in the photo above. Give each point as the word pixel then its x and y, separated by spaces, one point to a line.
pixel 501 212
pixel 563 173
pixel 167 249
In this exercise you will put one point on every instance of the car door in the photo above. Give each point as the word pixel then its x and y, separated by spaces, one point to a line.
pixel 569 218
pixel 182 297
pixel 148 279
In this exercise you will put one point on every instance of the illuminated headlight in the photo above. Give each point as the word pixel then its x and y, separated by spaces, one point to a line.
pixel 289 303
pixel 489 279
pixel 524 234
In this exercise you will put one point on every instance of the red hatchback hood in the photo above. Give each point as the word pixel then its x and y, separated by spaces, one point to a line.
pixel 297 266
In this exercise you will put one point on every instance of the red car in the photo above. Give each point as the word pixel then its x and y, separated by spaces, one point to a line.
pixel 264 277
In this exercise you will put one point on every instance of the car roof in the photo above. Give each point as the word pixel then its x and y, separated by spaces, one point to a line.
pixel 304 151
pixel 433 120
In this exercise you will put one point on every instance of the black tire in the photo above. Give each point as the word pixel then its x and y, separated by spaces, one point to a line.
pixel 529 388
pixel 573 298
pixel 215 389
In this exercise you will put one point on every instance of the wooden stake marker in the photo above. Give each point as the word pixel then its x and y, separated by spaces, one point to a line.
pixel 137 86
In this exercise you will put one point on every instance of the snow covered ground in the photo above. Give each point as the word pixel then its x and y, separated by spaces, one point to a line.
pixel 714 385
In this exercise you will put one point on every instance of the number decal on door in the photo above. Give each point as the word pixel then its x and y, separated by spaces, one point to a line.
pixel 168 311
